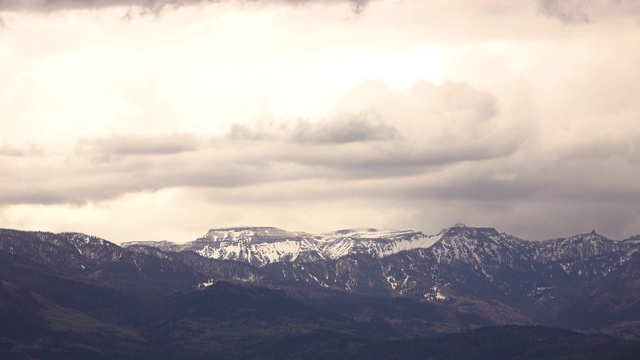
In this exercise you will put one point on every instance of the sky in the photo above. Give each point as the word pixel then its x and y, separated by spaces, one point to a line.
pixel 160 119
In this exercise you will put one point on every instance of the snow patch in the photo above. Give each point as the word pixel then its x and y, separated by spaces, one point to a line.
pixel 434 294
pixel 206 284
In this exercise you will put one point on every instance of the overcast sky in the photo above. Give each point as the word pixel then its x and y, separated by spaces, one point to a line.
pixel 161 119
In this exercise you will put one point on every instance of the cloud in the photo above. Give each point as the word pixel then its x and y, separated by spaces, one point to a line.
pixel 580 11
pixel 250 112
pixel 359 5
pixel 31 149
pixel 347 128
pixel 103 149
pixel 53 5
pixel 567 11
pixel 394 133
pixel 441 126
pixel 155 6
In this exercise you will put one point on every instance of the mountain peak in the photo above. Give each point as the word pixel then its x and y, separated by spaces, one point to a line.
pixel 258 234
pixel 593 235
pixel 463 230
pixel 265 229
pixel 355 230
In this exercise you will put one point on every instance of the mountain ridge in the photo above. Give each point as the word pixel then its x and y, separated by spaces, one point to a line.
pixel 264 245
pixel 494 277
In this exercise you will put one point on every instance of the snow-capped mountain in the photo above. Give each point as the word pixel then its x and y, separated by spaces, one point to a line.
pixel 477 246
pixel 476 270
pixel 576 247
pixel 543 278
pixel 70 250
pixel 265 245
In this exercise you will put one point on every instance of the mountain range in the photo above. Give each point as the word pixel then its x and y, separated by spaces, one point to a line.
pixel 537 280
pixel 348 284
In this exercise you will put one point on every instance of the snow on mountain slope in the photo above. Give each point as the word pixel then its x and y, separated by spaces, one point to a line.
pixel 252 235
pixel 68 250
pixel 264 245
pixel 581 246
pixel 477 270
pixel 163 245
pixel 372 241
pixel 479 245
pixel 482 248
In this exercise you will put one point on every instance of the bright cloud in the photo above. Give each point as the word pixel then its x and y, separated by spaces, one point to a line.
pixel 158 120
